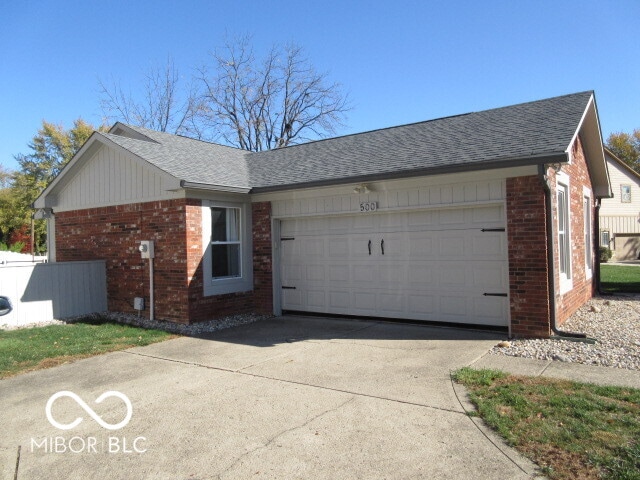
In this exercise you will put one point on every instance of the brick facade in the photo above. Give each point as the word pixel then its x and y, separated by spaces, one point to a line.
pixel 527 237
pixel 114 233
pixel 583 287
pixel 527 234
pixel 262 257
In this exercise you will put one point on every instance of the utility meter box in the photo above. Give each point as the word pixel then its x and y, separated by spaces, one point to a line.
pixel 138 303
pixel 146 249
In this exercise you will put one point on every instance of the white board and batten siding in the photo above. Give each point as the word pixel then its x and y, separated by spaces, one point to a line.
pixel 421 254
pixel 114 177
pixel 46 291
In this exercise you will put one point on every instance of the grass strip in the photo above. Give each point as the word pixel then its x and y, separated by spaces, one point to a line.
pixel 29 349
pixel 620 278
pixel 571 430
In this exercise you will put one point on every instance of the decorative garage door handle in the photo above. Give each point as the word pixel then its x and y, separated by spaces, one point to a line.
pixel 369 247
pixel 382 246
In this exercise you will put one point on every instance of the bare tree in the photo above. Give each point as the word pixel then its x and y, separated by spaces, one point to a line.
pixel 277 102
pixel 166 106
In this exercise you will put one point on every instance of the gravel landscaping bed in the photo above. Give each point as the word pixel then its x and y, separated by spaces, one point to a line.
pixel 136 321
pixel 613 321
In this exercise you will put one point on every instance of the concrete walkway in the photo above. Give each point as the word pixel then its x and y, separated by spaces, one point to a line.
pixel 290 397
pixel 621 377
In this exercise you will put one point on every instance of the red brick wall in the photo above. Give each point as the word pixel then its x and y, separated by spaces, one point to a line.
pixel 262 257
pixel 583 287
pixel 528 282
pixel 114 233
pixel 201 307
pixel 526 227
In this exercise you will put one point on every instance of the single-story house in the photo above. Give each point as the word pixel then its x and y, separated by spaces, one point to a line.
pixel 485 219
pixel 620 215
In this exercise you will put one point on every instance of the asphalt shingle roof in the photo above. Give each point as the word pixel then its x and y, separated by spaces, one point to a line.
pixel 188 159
pixel 470 141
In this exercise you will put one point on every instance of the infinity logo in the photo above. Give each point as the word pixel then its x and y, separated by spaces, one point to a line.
pixel 89 410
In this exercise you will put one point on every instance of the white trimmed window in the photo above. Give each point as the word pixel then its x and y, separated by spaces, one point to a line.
pixel 588 238
pixel 564 232
pixel 226 248
pixel 226 240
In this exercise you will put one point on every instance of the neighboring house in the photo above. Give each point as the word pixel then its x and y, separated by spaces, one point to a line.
pixel 620 215
pixel 480 219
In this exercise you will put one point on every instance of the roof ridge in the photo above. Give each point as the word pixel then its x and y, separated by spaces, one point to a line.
pixel 184 137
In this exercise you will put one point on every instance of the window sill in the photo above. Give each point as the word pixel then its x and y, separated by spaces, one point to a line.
pixel 227 285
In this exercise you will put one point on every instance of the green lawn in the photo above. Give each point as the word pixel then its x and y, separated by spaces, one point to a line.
pixel 572 430
pixel 42 347
pixel 620 278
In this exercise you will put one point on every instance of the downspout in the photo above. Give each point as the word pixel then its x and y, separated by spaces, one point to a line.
pixel 596 235
pixel 551 270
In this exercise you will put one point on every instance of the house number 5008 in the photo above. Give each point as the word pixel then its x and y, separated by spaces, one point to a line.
pixel 368 206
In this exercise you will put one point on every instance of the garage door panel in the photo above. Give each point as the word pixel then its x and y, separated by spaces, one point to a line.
pixel 421 305
pixel 490 277
pixel 484 215
pixel 338 247
pixel 339 273
pixel 390 305
pixel 487 245
pixel 313 247
pixel 425 220
pixel 364 301
pixel 340 300
pixel 315 298
pixel 293 298
pixel 437 265
pixel 452 275
pixel 392 276
pixel 489 308
pixel 364 273
pixel 451 245
pixel 315 273
pixel 420 246
pixel 453 305
pixel 422 274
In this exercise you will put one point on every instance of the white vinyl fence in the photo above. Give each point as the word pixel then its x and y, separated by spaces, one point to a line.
pixel 45 291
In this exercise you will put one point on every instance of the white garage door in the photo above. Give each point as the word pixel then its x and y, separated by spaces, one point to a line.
pixel 446 265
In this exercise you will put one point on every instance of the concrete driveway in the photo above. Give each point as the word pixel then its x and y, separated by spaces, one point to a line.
pixel 290 397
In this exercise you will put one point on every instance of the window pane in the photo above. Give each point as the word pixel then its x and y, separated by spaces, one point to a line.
pixel 218 224
pixel 561 210
pixel 587 233
pixel 562 252
pixel 233 225
pixel 225 260
pixel 225 224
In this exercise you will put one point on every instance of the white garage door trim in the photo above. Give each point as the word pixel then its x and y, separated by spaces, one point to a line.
pixel 439 264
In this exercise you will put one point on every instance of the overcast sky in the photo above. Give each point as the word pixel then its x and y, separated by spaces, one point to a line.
pixel 400 61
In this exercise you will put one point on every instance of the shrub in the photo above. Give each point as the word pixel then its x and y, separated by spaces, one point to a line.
pixel 605 254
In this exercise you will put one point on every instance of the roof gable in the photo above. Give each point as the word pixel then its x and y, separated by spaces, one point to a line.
pixel 622 166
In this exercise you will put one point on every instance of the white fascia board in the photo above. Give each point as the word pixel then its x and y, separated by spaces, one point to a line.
pixel 41 201
pixel 591 134
pixel 214 188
